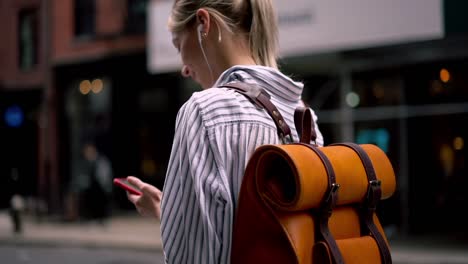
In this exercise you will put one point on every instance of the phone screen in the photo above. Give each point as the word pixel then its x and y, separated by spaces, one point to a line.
pixel 123 183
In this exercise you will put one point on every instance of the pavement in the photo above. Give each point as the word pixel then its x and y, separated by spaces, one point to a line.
pixel 126 230
pixel 133 232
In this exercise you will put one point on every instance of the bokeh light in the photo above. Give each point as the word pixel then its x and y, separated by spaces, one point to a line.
pixel 444 75
pixel 97 86
pixel 352 99
pixel 458 143
pixel 85 87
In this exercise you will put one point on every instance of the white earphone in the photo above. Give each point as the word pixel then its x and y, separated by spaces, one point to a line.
pixel 199 31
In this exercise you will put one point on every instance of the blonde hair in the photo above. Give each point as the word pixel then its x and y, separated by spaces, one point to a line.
pixel 257 18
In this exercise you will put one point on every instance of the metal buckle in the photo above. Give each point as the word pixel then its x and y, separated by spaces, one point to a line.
pixel 284 139
pixel 329 203
pixel 371 199
pixel 334 188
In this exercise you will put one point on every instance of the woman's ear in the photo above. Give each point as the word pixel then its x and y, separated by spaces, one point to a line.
pixel 203 20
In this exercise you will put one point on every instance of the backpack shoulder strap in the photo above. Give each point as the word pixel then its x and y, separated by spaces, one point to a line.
pixel 261 99
pixel 305 125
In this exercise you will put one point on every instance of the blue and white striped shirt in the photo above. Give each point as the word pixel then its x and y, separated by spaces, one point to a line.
pixel 216 132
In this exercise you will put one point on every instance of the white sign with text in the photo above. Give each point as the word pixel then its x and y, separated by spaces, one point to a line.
pixel 317 26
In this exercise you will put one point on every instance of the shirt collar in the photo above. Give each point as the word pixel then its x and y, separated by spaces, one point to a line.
pixel 270 79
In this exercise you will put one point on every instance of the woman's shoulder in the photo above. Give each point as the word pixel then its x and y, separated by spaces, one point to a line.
pixel 219 105
pixel 216 97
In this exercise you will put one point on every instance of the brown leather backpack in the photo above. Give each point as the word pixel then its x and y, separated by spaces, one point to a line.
pixel 300 203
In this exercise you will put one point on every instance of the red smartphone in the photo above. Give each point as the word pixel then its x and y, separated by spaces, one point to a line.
pixel 123 183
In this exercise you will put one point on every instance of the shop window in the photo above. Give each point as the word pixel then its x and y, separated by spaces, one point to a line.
pixel 28 39
pixel 442 82
pixel 136 16
pixel 378 88
pixel 322 92
pixel 85 17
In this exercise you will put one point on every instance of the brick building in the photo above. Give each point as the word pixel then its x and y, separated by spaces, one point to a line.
pixel 77 69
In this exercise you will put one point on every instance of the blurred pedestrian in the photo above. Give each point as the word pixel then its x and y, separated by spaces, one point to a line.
pixel 16 210
pixel 95 184
pixel 217 129
pixel 17 204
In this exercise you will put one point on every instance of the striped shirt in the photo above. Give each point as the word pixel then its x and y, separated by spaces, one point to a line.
pixel 216 132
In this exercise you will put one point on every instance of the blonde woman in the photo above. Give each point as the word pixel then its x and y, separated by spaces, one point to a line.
pixel 217 129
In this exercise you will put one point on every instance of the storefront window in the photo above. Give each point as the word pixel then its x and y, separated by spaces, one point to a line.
pixel 378 89
pixel 322 92
pixel 437 168
pixel 437 83
pixel 88 105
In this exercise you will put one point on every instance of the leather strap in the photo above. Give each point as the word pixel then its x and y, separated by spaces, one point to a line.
pixel 261 99
pixel 326 206
pixel 305 125
pixel 373 196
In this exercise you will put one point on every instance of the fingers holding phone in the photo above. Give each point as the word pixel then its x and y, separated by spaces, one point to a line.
pixel 126 185
pixel 149 202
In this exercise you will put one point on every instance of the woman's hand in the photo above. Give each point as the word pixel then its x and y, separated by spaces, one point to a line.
pixel 149 203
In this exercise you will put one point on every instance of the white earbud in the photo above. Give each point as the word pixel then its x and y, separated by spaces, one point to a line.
pixel 199 31
pixel 200 40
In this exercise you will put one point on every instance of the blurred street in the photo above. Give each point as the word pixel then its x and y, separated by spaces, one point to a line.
pixel 75 255
pixel 129 238
pixel 126 231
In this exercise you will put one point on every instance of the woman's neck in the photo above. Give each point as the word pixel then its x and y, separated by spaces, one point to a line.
pixel 230 53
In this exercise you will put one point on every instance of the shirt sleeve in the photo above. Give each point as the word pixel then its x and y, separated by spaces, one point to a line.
pixel 194 215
